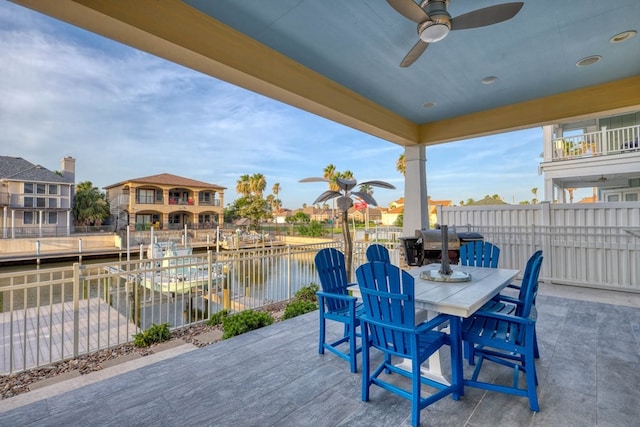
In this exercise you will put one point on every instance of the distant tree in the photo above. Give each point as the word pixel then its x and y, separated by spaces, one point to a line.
pixel 401 165
pixel 255 208
pixel 399 222
pixel 534 190
pixel 299 218
pixel 243 185
pixel 257 184
pixel 570 191
pixel 276 190
pixel 90 205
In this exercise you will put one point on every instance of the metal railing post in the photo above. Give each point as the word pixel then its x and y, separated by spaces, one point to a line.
pixel 76 309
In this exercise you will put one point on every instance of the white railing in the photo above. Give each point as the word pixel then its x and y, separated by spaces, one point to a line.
pixel 603 142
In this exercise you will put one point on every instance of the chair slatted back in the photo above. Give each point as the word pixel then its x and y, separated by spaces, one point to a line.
pixel 479 254
pixel 378 252
pixel 530 287
pixel 332 271
pixel 388 298
pixel 528 270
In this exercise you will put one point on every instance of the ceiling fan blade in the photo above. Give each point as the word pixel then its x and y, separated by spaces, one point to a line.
pixel 410 10
pixel 415 52
pixel 486 16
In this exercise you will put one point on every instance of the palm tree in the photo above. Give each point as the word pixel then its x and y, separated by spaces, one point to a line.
pixel 243 185
pixel 346 183
pixel 401 165
pixel 257 184
pixel 365 188
pixel 570 191
pixel 275 190
pixel 90 206
pixel 534 190
pixel 329 174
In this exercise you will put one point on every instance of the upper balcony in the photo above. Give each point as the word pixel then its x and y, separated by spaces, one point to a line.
pixel 601 143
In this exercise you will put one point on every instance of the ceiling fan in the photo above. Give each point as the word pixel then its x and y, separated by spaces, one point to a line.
pixel 434 22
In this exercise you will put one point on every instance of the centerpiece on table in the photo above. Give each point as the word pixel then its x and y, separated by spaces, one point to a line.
pixel 445 273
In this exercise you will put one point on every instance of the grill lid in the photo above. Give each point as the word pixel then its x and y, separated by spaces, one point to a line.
pixel 432 239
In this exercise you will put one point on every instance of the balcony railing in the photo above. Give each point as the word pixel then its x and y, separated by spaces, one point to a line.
pixel 600 143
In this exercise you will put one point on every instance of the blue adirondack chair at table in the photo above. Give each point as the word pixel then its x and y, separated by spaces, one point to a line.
pixel 389 325
pixel 479 254
pixel 378 252
pixel 336 304
pixel 508 340
pixel 508 304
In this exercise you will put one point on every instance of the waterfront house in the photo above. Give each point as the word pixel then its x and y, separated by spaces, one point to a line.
pixel 601 153
pixel 35 201
pixel 165 202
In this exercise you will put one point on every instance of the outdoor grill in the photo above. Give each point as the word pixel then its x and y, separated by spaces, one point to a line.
pixel 426 247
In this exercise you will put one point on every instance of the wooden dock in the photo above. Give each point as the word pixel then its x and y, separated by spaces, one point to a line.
pixel 40 335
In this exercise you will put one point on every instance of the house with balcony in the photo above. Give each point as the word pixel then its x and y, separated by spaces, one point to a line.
pixel 165 202
pixel 601 153
pixel 35 201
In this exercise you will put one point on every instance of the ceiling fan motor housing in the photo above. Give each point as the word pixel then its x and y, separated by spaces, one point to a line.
pixel 439 23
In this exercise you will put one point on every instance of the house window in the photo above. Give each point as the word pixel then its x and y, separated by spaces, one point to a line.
pixel 146 196
pixel 28 188
pixel 204 197
pixel 204 218
pixel 28 202
pixel 53 203
pixel 41 202
pixel 53 217
pixel 53 189
pixel 27 218
pixel 175 218
pixel 631 197
pixel 41 189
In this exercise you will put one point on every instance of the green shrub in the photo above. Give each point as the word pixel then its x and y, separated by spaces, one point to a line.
pixel 155 334
pixel 217 318
pixel 245 321
pixel 298 307
pixel 307 293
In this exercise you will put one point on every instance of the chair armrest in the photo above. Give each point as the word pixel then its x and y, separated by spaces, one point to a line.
pixel 431 324
pixel 509 299
pixel 507 317
pixel 336 296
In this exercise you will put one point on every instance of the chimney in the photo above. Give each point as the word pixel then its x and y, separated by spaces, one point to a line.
pixel 69 169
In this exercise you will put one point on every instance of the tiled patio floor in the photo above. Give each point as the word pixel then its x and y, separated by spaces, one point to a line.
pixel 588 374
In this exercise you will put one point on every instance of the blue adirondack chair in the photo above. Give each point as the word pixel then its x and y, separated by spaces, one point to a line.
pixel 388 324
pixel 479 254
pixel 508 304
pixel 377 252
pixel 336 304
pixel 509 340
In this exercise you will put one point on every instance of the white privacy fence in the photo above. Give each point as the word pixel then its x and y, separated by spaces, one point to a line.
pixel 594 245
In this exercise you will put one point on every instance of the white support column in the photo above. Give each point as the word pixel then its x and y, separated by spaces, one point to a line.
pixel 416 214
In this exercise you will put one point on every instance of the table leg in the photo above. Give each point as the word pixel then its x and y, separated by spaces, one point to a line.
pixel 433 370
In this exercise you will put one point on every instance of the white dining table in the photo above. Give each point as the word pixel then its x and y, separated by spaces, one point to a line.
pixel 459 299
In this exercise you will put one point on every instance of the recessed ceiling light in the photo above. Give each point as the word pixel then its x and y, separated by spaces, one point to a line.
pixel 489 80
pixel 625 35
pixel 428 105
pixel 589 60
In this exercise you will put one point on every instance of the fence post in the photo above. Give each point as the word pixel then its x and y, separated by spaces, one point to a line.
pixel 76 309
pixel 288 272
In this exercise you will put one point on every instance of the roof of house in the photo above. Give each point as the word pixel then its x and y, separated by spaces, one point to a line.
pixel 167 179
pixel 19 169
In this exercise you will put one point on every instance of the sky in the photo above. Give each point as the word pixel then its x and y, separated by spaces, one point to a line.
pixel 123 114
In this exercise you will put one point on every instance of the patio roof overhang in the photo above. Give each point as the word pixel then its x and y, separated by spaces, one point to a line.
pixel 266 47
